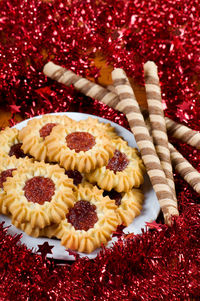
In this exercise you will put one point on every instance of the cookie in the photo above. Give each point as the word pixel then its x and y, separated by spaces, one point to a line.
pixel 89 223
pixel 39 193
pixel 103 128
pixel 129 204
pixel 7 166
pixel 27 228
pixel 10 143
pixel 123 171
pixel 33 136
pixel 78 147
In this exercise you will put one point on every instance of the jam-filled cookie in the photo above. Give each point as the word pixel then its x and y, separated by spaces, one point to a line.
pixel 10 143
pixel 129 204
pixel 89 223
pixel 40 194
pixel 7 166
pixel 104 128
pixel 78 147
pixel 27 228
pixel 123 171
pixel 33 136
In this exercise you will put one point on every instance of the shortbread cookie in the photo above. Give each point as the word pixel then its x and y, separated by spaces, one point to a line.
pixel 33 136
pixel 104 128
pixel 123 171
pixel 89 223
pixel 78 147
pixel 10 143
pixel 40 194
pixel 7 166
pixel 27 228
pixel 129 204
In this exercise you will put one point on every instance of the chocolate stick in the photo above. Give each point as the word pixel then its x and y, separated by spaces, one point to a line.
pixel 83 85
pixel 181 165
pixel 157 122
pixel 183 133
pixel 129 106
pixel 185 169
pixel 109 97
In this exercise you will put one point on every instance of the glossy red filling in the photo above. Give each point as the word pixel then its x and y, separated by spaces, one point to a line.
pixel 83 215
pixel 118 162
pixel 75 175
pixel 113 195
pixel 39 190
pixel 16 151
pixel 4 174
pixel 46 129
pixel 80 141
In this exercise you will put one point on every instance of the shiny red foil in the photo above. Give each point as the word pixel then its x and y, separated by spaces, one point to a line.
pixel 162 263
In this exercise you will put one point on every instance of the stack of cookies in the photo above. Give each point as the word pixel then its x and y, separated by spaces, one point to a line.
pixel 75 181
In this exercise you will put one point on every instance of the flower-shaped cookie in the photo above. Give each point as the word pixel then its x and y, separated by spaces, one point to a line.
pixel 33 136
pixel 7 166
pixel 129 204
pixel 27 228
pixel 10 143
pixel 104 128
pixel 123 171
pixel 39 193
pixel 78 147
pixel 89 223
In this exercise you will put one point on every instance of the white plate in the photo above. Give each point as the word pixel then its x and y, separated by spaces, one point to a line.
pixel 149 212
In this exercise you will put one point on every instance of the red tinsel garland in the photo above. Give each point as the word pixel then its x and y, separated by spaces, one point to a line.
pixel 162 264
pixel 158 265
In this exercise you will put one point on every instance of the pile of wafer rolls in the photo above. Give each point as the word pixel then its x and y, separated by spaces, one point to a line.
pixel 149 128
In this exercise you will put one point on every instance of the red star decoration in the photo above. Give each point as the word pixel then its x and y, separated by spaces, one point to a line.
pixel 45 249
pixel 15 109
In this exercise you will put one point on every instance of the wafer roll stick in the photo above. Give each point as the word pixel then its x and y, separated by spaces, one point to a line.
pixel 129 106
pixel 157 121
pixel 185 169
pixel 181 165
pixel 179 131
pixel 88 88
pixel 83 85
pixel 183 133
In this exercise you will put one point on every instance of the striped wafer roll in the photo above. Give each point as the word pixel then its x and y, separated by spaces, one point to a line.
pixel 178 131
pixel 83 85
pixel 183 133
pixel 181 165
pixel 107 96
pixel 129 106
pixel 157 122
pixel 185 169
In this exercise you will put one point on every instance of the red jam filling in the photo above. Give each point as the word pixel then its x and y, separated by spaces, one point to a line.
pixel 75 175
pixel 80 141
pixel 4 174
pixel 39 190
pixel 113 195
pixel 46 129
pixel 16 151
pixel 83 215
pixel 118 162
